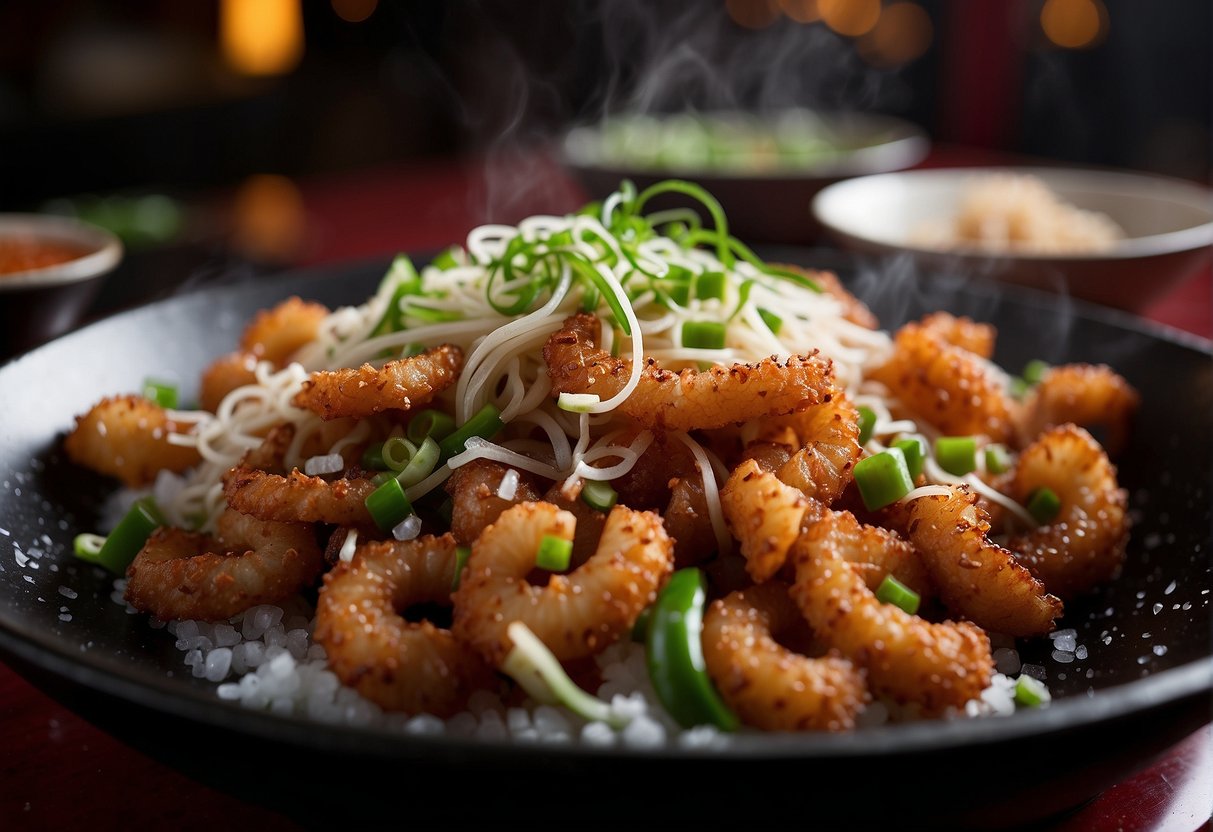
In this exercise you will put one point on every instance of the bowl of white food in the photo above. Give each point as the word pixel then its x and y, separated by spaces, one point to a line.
pixel 1116 238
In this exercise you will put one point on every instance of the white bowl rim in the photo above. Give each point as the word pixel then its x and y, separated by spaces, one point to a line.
pixel 1170 242
pixel 105 250
pixel 907 145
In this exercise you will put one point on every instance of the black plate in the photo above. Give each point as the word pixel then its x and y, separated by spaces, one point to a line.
pixel 1127 701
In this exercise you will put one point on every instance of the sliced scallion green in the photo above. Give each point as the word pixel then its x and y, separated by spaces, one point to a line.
pixel 773 321
pixel 445 260
pixel 599 495
pixel 87 546
pixel 163 393
pixel 430 423
pixel 128 537
pixel 485 424
pixel 883 478
pixel 703 335
pixel 867 421
pixel 956 454
pixel 396 452
pixel 578 402
pixel 388 505
pixel 1043 504
pixel 1031 693
pixel 893 591
pixel 421 464
pixel 998 459
pixel 710 285
pixel 554 553
pixel 1035 370
pixel 914 450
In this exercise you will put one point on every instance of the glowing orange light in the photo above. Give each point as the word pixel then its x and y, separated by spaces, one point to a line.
pixel 903 33
pixel 752 14
pixel 354 11
pixel 802 11
pixel 850 17
pixel 1074 24
pixel 268 218
pixel 261 37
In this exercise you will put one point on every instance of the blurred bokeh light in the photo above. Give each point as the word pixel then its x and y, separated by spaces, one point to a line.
pixel 261 37
pixel 1074 24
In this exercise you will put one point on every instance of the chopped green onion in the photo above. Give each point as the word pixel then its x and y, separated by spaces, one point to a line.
pixel 867 421
pixel 710 285
pixel 598 495
pixel 445 260
pixel 883 478
pixel 388 505
pixel 407 282
pixel 554 553
pixel 430 315
pixel 893 591
pixel 396 452
pixel 1031 693
pixel 1019 387
pixel 578 402
pixel 1035 370
pixel 421 464
pixel 998 459
pixel 462 553
pixel 915 450
pixel 1043 504
pixel 956 454
pixel 723 252
pixel 674 653
pixel 590 299
pixel 430 423
pixel 128 537
pixel 703 335
pixel 485 424
pixel 773 321
pixel 533 666
pixel 88 546
pixel 163 393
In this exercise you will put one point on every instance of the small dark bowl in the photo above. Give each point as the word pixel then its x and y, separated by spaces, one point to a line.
pixel 763 204
pixel 38 304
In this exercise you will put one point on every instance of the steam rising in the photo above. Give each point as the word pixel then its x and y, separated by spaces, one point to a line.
pixel 520 87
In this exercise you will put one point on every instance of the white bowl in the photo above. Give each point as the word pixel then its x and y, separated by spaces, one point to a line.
pixel 1168 225
pixel 38 304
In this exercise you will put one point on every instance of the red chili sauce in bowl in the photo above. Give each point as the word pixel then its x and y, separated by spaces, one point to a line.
pixel 21 254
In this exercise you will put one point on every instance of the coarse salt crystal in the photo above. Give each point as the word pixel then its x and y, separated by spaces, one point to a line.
pixel 509 485
pixel 323 464
pixel 408 528
pixel 218 664
pixel 69 593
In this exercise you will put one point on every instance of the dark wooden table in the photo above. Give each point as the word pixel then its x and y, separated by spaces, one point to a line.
pixel 57 771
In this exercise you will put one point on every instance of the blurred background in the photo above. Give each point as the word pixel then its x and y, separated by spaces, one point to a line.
pixel 228 135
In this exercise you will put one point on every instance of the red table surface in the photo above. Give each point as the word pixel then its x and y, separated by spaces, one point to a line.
pixel 57 771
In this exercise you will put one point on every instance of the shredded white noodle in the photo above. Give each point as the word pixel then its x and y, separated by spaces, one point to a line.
pixel 504 363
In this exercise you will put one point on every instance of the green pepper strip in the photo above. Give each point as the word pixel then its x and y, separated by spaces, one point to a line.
pixel 128 537
pixel 675 655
